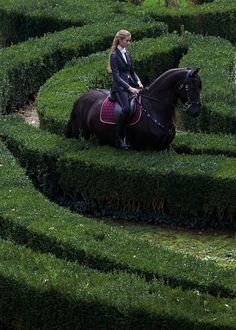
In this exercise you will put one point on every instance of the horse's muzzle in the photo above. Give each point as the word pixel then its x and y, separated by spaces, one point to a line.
pixel 194 110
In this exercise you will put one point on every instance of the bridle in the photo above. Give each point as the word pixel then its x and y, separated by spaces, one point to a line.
pixel 189 103
pixel 179 86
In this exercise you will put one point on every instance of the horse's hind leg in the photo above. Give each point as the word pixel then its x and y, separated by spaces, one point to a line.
pixel 79 122
pixel 71 130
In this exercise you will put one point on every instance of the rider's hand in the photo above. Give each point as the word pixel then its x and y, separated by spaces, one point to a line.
pixel 133 90
pixel 140 85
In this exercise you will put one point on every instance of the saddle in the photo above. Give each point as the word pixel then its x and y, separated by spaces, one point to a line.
pixel 110 111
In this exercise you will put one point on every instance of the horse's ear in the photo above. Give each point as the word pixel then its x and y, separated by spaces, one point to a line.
pixel 194 72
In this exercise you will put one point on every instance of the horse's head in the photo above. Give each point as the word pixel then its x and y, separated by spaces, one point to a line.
pixel 189 92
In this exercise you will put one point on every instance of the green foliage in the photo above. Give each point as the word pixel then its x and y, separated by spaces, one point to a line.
pixel 40 290
pixel 207 183
pixel 45 292
pixel 21 20
pixel 153 180
pixel 26 66
pixel 29 219
pixel 200 143
pixel 152 57
pixel 205 244
pixel 216 18
pixel 216 58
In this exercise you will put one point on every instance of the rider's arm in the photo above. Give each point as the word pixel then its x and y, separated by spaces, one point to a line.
pixel 116 72
pixel 133 74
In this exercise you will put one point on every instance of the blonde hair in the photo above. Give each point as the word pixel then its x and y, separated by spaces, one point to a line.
pixel 120 35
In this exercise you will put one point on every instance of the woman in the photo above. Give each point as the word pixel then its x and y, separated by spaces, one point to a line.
pixel 121 67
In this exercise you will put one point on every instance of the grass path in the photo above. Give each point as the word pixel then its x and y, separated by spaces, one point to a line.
pixel 219 246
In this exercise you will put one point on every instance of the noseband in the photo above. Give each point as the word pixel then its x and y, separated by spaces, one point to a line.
pixel 189 103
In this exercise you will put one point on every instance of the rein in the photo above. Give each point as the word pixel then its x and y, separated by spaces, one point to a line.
pixel 155 99
pixel 170 131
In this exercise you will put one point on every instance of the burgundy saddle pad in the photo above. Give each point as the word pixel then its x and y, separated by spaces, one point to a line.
pixel 110 110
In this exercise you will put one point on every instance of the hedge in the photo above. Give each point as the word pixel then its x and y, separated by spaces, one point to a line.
pixel 200 143
pixel 217 18
pixel 28 218
pixel 26 66
pixel 102 299
pixel 21 20
pixel 216 57
pixel 39 153
pixel 41 292
pixel 152 57
pixel 207 183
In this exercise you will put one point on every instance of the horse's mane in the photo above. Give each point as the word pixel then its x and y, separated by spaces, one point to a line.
pixel 159 80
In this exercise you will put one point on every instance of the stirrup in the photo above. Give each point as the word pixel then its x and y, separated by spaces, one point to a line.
pixel 120 144
pixel 126 143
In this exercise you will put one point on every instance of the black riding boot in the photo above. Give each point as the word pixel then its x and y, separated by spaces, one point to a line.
pixel 120 132
pixel 126 119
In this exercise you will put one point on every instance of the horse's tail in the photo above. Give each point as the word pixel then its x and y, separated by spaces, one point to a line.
pixel 68 132
pixel 69 128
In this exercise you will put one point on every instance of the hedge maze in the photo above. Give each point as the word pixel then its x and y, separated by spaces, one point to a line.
pixel 62 270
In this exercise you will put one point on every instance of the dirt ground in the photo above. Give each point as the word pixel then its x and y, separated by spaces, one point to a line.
pixel 29 114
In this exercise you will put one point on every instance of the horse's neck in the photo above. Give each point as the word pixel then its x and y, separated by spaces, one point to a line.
pixel 163 89
pixel 165 85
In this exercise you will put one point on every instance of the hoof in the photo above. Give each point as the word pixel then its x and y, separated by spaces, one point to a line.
pixel 121 144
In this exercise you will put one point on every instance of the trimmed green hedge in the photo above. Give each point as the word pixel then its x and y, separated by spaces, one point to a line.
pixel 43 292
pixel 200 143
pixel 26 66
pixel 207 183
pixel 39 291
pixel 28 218
pixel 217 18
pixel 216 57
pixel 212 179
pixel 21 20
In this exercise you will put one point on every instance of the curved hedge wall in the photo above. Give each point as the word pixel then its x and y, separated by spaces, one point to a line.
pixel 207 183
pixel 62 270
pixel 217 18
pixel 216 58
pixel 26 66
pixel 152 57
pixel 63 284
pixel 97 245
pixel 21 20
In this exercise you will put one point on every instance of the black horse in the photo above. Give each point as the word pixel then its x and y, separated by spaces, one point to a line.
pixel 155 129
